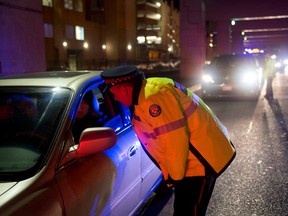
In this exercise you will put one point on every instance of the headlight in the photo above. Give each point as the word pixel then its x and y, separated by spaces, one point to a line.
pixel 207 78
pixel 278 65
pixel 249 77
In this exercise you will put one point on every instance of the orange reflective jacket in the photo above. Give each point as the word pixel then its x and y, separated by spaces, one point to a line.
pixel 169 120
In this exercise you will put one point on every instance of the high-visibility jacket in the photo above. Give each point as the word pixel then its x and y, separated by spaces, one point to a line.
pixel 169 119
pixel 270 68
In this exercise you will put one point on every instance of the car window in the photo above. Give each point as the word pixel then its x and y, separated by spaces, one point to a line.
pixel 101 111
pixel 228 63
pixel 118 116
pixel 29 118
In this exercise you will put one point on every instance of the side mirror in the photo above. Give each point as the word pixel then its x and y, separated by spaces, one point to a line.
pixel 94 140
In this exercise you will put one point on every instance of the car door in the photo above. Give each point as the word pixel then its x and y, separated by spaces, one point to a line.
pixel 149 172
pixel 107 183
pixel 126 190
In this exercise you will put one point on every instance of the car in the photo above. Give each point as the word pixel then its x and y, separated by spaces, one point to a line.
pixel 232 75
pixel 282 65
pixel 43 171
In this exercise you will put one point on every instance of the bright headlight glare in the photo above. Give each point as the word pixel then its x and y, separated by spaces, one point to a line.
pixel 207 78
pixel 278 65
pixel 249 78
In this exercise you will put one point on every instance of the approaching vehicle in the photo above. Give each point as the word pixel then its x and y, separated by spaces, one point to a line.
pixel 232 75
pixel 44 172
pixel 282 65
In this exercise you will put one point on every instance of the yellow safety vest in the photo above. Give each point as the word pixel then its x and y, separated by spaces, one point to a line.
pixel 169 119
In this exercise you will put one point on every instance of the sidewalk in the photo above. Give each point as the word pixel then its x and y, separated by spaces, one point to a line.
pixel 280 86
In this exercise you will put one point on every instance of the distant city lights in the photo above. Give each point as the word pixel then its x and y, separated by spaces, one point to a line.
pixel 253 51
pixel 158 4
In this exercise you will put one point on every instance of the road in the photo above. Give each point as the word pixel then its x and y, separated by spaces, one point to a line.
pixel 256 183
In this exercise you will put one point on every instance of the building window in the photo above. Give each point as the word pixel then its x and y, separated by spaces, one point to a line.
pixel 95 11
pixel 78 6
pixel 70 31
pixel 47 3
pixel 48 30
pixel 68 4
pixel 79 32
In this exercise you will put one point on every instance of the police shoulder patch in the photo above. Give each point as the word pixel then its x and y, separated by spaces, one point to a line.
pixel 154 110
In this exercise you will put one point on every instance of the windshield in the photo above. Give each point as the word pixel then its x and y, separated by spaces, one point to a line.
pixel 233 63
pixel 29 118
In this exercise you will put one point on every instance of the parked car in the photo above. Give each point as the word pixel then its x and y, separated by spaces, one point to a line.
pixel 231 76
pixel 43 171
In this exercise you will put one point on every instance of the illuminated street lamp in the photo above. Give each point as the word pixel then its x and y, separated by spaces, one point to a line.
pixel 170 48
pixel 85 45
pixel 104 47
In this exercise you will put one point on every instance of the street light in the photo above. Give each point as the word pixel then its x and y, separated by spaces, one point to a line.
pixel 85 45
pixel 104 47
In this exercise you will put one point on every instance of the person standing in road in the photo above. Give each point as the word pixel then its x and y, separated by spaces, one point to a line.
pixel 269 74
pixel 179 132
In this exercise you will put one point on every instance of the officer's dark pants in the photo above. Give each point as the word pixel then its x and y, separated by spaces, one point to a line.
pixel 269 89
pixel 192 195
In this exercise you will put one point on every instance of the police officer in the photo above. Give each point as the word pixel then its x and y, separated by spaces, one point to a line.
pixel 179 132
pixel 269 74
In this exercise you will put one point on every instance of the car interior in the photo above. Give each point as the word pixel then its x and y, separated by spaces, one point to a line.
pixel 113 113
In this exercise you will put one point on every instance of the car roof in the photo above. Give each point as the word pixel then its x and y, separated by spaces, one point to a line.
pixel 50 78
pixel 234 56
pixel 227 58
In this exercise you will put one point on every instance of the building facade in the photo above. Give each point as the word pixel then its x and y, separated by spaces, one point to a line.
pixel 21 37
pixel 96 34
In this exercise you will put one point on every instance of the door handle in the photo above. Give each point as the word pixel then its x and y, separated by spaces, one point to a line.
pixel 132 151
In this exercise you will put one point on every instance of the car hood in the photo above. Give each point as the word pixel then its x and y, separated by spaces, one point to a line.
pixel 5 186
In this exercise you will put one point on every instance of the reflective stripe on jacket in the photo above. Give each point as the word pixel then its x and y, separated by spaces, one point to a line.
pixel 167 118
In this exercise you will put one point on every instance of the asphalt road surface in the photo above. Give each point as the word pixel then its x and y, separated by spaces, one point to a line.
pixel 256 183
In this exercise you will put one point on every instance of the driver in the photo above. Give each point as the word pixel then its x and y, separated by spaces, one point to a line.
pixel 88 115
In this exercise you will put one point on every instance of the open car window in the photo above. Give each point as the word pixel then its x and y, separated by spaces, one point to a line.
pixel 118 116
pixel 103 111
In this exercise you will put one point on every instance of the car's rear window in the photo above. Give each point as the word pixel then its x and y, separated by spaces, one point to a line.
pixel 231 63
pixel 29 118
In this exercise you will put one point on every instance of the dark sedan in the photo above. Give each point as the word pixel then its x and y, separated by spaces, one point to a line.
pixel 232 75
